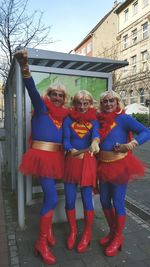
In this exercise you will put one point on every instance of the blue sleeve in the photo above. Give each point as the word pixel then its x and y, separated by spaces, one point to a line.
pixel 142 133
pixel 37 102
pixel 95 133
pixel 67 134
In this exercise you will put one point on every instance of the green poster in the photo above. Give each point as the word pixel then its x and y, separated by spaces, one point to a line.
pixel 94 85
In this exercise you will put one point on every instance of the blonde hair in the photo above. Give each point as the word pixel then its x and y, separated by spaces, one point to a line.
pixel 113 94
pixel 83 94
pixel 56 87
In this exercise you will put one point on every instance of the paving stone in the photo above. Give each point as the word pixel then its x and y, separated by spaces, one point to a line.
pixel 95 262
pixel 74 263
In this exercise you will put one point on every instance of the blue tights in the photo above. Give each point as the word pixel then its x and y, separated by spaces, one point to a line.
pixel 113 195
pixel 71 193
pixel 50 198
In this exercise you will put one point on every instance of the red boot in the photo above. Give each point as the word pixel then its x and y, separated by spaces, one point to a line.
pixel 73 228
pixel 116 243
pixel 110 217
pixel 50 238
pixel 87 233
pixel 41 247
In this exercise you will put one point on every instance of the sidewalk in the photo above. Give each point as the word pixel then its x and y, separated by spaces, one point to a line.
pixel 4 254
pixel 136 248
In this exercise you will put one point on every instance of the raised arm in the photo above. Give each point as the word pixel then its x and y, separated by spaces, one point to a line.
pixel 38 104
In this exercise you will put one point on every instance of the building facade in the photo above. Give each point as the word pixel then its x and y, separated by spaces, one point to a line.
pixel 124 34
pixel 85 47
pixel 101 37
pixel 133 82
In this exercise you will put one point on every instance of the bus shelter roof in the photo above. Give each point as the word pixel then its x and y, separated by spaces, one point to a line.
pixel 72 61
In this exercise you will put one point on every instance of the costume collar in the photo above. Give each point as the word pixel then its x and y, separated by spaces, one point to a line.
pixel 83 117
pixel 107 122
pixel 57 113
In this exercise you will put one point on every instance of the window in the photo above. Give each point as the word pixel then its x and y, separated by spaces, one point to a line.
pixel 133 64
pixel 134 36
pixel 145 30
pixel 123 96
pixel 142 96
pixel 132 97
pixel 135 8
pixel 145 2
pixel 89 47
pixel 125 41
pixel 126 14
pixel 83 52
pixel 144 55
pixel 144 58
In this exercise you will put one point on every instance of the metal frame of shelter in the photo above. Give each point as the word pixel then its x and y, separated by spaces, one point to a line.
pixel 18 107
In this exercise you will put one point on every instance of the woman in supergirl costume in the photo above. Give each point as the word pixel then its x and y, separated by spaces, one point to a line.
pixel 81 136
pixel 117 165
pixel 45 157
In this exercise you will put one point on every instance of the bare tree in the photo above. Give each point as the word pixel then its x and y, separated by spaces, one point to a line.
pixel 112 53
pixel 17 28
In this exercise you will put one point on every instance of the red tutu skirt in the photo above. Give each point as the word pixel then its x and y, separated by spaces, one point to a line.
pixel 121 171
pixel 81 171
pixel 40 163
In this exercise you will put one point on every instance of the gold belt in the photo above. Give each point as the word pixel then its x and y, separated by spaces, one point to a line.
pixel 80 156
pixel 110 156
pixel 47 146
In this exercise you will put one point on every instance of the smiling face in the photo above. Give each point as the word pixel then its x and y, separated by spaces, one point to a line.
pixel 57 97
pixel 109 104
pixel 110 101
pixel 57 93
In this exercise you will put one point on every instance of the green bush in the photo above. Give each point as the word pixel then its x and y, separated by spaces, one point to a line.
pixel 142 118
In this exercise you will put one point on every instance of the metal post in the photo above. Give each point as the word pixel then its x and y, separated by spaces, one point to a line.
pixel 149 110
pixel 8 129
pixel 19 104
pixel 148 104
pixel 110 82
pixel 6 125
pixel 28 133
pixel 12 150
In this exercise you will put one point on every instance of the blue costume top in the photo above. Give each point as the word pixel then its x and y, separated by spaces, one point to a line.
pixel 44 127
pixel 123 124
pixel 115 167
pixel 45 157
pixel 77 135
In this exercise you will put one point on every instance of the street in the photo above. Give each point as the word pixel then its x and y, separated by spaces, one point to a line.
pixel 138 193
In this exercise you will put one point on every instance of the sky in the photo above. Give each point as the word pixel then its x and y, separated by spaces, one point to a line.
pixel 70 20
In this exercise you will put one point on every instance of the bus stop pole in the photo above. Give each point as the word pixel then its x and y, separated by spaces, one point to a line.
pixel 19 104
pixel 7 125
pixel 28 134
pixel 12 134
pixel 110 82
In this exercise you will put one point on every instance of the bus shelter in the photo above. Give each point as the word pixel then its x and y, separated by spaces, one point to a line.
pixel 76 73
